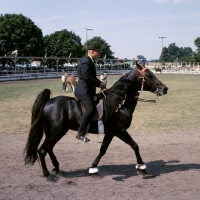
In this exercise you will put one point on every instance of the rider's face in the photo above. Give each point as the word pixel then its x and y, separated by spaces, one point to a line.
pixel 95 54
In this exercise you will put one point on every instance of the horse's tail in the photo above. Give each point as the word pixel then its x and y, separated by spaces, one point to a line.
pixel 36 131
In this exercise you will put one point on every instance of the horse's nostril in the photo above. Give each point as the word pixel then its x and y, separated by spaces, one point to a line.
pixel 166 89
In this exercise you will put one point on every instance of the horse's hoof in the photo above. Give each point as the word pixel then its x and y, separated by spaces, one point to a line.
pixel 52 178
pixel 55 171
pixel 141 169
pixel 142 172
pixel 140 166
pixel 93 171
pixel 95 175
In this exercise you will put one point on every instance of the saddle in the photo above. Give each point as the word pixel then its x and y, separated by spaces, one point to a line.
pixel 97 116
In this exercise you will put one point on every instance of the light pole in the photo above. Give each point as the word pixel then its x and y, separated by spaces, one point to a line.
pixel 162 37
pixel 87 29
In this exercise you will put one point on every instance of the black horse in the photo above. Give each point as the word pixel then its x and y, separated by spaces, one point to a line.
pixel 57 115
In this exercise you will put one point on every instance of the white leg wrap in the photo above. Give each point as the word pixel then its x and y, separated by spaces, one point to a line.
pixel 93 170
pixel 140 166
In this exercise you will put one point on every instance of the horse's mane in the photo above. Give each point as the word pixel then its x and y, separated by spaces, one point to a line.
pixel 125 84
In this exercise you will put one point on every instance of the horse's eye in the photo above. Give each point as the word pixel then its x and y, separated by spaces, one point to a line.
pixel 148 75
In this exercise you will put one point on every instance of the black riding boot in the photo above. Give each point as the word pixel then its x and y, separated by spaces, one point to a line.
pixel 82 137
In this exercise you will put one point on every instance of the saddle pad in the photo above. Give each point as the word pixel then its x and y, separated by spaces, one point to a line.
pixel 99 110
pixel 98 115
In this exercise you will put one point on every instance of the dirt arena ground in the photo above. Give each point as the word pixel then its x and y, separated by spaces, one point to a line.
pixel 172 159
pixel 171 155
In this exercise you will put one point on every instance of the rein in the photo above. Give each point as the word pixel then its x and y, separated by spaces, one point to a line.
pixel 117 107
pixel 136 97
pixel 120 97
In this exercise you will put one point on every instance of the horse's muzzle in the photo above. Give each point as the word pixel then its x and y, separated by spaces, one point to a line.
pixel 162 90
pixel 165 90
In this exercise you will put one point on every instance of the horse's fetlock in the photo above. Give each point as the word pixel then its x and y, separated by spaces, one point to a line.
pixel 56 165
pixel 46 173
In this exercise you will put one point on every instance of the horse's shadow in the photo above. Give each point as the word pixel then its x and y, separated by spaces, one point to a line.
pixel 159 167
pixel 120 171
pixel 123 172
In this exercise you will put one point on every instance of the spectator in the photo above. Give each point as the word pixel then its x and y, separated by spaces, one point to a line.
pixel 104 78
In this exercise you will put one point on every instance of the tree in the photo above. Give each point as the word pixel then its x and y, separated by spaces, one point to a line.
pixel 197 42
pixel 105 47
pixel 196 54
pixel 174 53
pixel 20 33
pixel 63 43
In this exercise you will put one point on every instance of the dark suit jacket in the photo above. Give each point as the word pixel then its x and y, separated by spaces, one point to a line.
pixel 87 80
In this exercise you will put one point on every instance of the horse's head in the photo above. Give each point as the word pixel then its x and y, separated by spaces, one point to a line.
pixel 149 81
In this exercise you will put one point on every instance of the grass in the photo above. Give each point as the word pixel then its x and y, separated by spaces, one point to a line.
pixel 178 110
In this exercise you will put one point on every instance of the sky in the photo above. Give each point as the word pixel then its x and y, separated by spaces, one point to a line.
pixel 130 27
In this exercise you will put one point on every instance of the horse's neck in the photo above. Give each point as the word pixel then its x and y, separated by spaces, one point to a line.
pixel 116 95
pixel 125 91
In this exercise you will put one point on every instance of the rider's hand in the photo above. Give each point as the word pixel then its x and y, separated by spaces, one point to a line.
pixel 102 85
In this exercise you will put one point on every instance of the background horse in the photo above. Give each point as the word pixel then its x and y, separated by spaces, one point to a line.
pixel 72 82
pixel 57 115
pixel 158 69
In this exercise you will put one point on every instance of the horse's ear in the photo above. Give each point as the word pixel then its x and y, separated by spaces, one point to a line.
pixel 139 66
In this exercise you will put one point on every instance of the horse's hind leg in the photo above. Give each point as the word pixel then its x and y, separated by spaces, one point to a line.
pixel 124 136
pixel 54 161
pixel 47 147
pixel 73 89
pixel 66 87
pixel 42 151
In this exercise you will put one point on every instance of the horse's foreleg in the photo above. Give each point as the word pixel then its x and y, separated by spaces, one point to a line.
pixel 106 141
pixel 124 136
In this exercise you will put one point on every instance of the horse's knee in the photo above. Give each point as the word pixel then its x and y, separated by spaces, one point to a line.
pixel 103 150
pixel 135 146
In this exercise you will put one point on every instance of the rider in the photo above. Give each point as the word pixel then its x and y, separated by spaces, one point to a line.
pixel 86 87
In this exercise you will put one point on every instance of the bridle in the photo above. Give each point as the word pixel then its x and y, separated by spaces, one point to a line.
pixel 144 78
